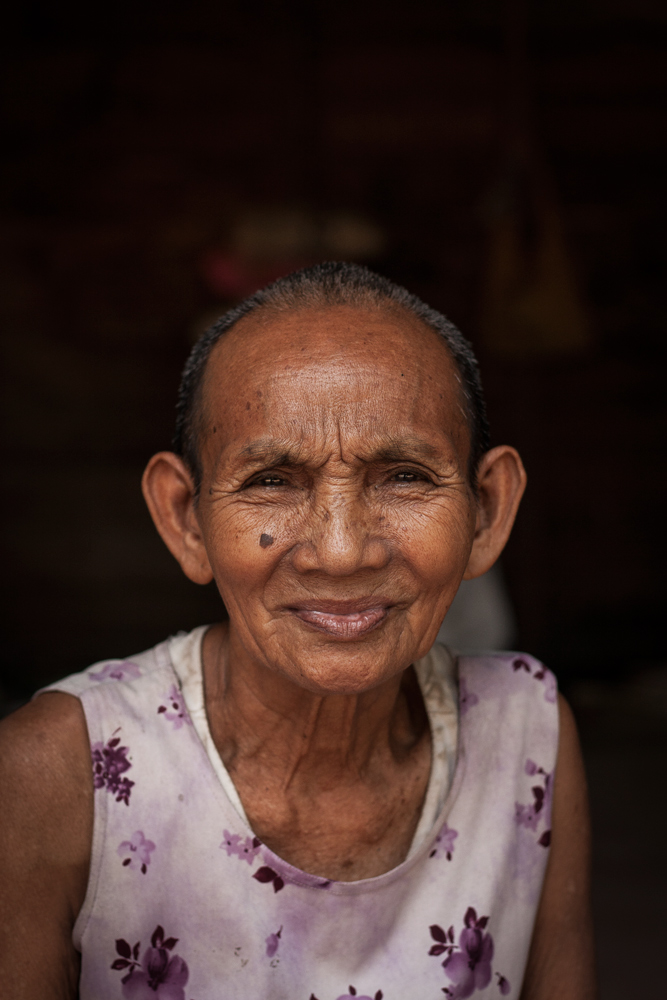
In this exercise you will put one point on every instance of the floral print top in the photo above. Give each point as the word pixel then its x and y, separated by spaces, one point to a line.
pixel 184 902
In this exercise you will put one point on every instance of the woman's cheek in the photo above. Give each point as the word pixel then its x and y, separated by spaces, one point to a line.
pixel 436 537
pixel 243 543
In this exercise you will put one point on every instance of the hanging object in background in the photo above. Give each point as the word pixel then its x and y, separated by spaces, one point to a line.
pixel 530 302
pixel 266 243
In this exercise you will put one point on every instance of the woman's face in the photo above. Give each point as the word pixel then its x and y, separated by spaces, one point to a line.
pixel 335 508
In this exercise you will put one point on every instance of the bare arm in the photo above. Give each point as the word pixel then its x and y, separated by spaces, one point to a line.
pixel 46 801
pixel 561 960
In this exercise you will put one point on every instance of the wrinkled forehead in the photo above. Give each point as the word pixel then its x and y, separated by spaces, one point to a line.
pixel 337 359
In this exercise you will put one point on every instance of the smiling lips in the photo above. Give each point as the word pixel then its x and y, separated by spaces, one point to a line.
pixel 342 619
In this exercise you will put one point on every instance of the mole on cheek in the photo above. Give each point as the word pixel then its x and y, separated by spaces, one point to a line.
pixel 265 541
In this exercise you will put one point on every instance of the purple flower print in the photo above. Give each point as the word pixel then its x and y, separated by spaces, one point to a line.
pixel 117 671
pixel 466 698
pixel 470 968
pixel 527 816
pixel 468 964
pixel 539 809
pixel 159 975
pixel 175 711
pixel 136 852
pixel 444 843
pixel 272 943
pixel 503 985
pixel 109 763
pixel 444 940
pixel 231 842
pixel 246 849
pixel 266 874
pixel 353 995
pixel 541 674
pixel 550 685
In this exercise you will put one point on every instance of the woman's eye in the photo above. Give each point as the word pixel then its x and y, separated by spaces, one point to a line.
pixel 268 481
pixel 407 476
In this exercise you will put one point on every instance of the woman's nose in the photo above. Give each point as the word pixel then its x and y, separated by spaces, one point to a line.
pixel 341 538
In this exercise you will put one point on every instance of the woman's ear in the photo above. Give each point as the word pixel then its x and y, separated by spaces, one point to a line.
pixel 501 480
pixel 169 493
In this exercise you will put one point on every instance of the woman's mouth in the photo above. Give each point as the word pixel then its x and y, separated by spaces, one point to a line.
pixel 342 624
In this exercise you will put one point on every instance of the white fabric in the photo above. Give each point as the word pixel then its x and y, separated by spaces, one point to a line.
pixel 184 902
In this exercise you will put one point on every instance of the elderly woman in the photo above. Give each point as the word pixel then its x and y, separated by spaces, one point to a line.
pixel 312 800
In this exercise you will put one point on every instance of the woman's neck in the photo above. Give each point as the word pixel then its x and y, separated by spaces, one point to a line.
pixel 294 734
pixel 345 772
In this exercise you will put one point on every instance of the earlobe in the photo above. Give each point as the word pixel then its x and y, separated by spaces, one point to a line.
pixel 502 481
pixel 169 494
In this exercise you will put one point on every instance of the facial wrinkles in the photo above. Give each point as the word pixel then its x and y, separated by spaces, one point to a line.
pixel 340 439
pixel 342 459
pixel 339 495
pixel 331 418
pixel 339 506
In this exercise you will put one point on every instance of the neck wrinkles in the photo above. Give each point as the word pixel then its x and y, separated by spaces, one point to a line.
pixel 295 737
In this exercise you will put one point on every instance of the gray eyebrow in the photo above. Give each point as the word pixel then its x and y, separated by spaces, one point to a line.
pixel 401 449
pixel 267 450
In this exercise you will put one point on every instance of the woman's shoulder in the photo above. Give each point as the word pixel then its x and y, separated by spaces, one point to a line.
pixel 46 736
pixel 508 707
pixel 46 788
pixel 485 680
pixel 500 675
pixel 130 707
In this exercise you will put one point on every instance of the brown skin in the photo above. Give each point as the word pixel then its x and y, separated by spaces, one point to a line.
pixel 45 840
pixel 334 447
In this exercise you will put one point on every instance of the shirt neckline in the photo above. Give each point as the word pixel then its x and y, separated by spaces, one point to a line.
pixel 437 676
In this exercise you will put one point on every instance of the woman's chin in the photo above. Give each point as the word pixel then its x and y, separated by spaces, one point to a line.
pixel 343 668
pixel 327 665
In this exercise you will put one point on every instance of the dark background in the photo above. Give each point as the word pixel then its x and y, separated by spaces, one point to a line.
pixel 162 160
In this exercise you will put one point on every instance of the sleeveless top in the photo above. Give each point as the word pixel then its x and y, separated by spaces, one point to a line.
pixel 184 902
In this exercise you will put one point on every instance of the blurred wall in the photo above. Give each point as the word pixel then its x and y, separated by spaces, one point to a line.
pixel 137 140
